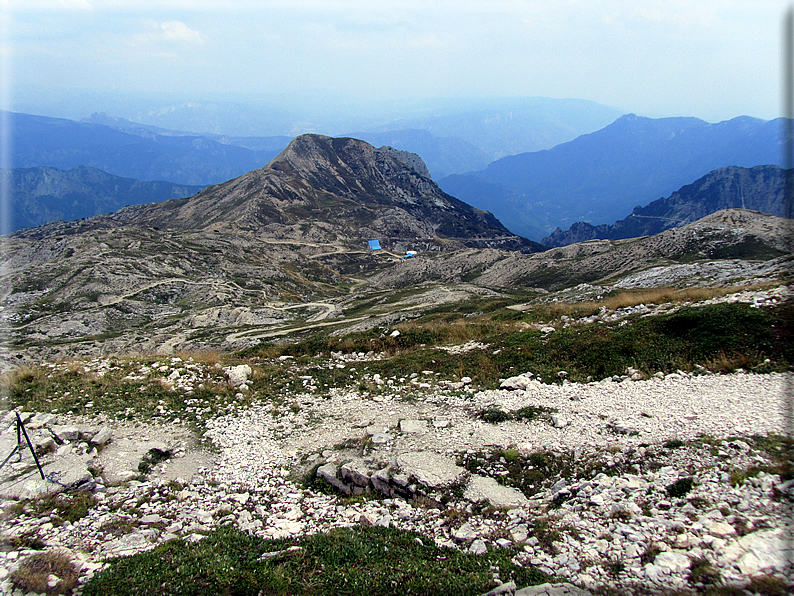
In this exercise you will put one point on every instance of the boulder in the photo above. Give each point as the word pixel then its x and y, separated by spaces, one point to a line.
pixel 759 552
pixel 519 383
pixel 238 375
pixel 328 473
pixel 355 472
pixel 673 561
pixel 431 469
pixel 103 436
pixel 65 472
pixel 480 488
pixel 65 433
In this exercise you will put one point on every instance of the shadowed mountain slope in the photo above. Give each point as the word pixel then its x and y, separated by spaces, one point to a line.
pixel 760 188
pixel 600 177
pixel 42 195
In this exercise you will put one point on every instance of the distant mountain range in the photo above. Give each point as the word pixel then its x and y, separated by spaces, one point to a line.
pixel 182 143
pixel 41 195
pixel 600 177
pixel 507 126
pixel 143 155
pixel 760 188
pixel 498 126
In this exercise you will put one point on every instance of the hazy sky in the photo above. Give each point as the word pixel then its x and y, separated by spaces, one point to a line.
pixel 710 59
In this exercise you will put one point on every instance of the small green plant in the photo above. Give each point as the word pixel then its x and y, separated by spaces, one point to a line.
pixel 153 457
pixel 650 554
pixel 701 572
pixel 547 535
pixel 673 444
pixel 615 568
pixel 510 455
pixel 680 487
pixel 494 415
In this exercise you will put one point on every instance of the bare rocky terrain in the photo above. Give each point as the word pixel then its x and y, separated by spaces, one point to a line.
pixel 651 487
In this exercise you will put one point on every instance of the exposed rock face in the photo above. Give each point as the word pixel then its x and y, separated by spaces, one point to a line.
pixel 760 188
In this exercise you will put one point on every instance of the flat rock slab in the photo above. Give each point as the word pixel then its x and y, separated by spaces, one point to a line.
pixel 481 488
pixel 431 469
pixel 125 546
pixel 416 427
pixel 65 472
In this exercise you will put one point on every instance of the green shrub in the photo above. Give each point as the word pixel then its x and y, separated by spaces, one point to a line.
pixel 364 560
pixel 493 415
pixel 680 487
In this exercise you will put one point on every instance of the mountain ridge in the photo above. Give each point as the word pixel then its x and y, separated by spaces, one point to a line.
pixel 600 177
pixel 760 188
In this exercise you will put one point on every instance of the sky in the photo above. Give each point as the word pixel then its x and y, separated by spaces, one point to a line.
pixel 710 59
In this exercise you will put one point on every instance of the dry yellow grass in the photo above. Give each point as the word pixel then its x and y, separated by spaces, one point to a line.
pixel 208 357
pixel 650 296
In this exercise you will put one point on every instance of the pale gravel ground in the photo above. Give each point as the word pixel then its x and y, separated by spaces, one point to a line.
pixel 253 442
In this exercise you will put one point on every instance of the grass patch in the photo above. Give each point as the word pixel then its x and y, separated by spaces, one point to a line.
pixel 34 573
pixel 68 506
pixel 495 415
pixel 356 561
pixel 680 488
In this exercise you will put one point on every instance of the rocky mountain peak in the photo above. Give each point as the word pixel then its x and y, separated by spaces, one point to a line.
pixel 324 189
pixel 352 168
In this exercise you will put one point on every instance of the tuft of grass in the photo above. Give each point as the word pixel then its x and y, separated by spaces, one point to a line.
pixel 362 560
pixel 701 572
pixel 34 572
pixel 70 506
pixel 650 554
pixel 495 415
pixel 680 487
pixel 768 585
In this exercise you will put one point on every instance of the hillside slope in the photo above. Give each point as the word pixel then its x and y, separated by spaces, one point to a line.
pixel 42 195
pixel 760 188
pixel 600 177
